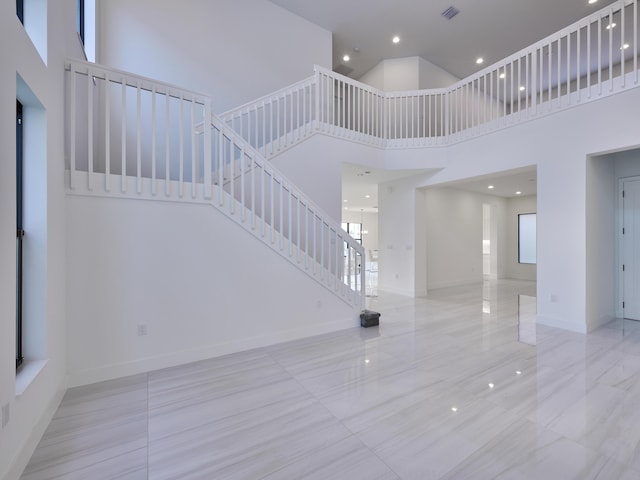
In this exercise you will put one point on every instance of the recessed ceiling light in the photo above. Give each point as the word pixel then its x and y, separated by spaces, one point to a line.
pixel 367 196
pixel 518 193
pixel 522 88
pixel 346 58
pixel 624 47
pixel 503 75
pixel 518 372
pixel 454 409
pixel 396 39
pixel 479 60
pixel 491 385
pixel 611 25
pixel 592 2
pixel 345 201
pixel 490 187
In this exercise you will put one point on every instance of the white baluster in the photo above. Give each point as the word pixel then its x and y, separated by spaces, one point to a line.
pixel 153 140
pixel 107 132
pixel 123 172
pixel 90 130
pixel 72 128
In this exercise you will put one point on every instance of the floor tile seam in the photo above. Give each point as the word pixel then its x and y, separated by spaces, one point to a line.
pixel 147 383
pixel 153 374
pixel 441 476
pixel 404 366
pixel 204 378
pixel 211 393
pixel 375 454
pixel 587 443
pixel 72 458
pixel 331 414
pixel 219 397
pixel 233 416
pixel 363 382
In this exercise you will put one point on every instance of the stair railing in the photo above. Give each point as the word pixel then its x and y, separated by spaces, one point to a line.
pixel 591 59
pixel 130 136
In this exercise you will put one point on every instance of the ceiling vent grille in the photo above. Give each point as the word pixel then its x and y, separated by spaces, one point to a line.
pixel 450 12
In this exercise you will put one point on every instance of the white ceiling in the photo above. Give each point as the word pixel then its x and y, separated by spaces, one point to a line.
pixel 492 29
pixel 505 184
pixel 360 185
pixel 360 189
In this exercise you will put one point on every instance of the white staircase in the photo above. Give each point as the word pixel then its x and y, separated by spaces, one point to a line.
pixel 138 138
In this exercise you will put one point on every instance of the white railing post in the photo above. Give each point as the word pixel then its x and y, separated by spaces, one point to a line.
pixel 107 133
pixel 90 131
pixel 207 150
pixel 138 138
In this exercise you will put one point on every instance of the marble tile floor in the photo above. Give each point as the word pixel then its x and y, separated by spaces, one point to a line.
pixel 443 389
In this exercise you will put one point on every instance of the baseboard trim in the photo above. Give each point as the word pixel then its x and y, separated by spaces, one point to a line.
pixel 22 459
pixel 172 359
pixel 600 321
pixel 556 323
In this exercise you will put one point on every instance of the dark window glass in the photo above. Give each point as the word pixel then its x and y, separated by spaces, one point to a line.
pixel 20 10
pixel 19 233
pixel 80 19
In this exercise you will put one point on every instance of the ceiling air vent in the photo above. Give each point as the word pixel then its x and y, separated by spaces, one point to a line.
pixel 450 12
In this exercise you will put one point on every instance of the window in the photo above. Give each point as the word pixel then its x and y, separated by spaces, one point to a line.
pixel 354 229
pixel 80 19
pixel 527 238
pixel 20 10
pixel 19 233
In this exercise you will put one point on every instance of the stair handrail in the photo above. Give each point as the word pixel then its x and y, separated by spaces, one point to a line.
pixel 517 88
pixel 125 151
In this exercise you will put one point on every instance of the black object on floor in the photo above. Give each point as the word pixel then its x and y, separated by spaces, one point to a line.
pixel 369 318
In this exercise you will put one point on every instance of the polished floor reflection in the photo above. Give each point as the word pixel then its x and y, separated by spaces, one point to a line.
pixel 444 388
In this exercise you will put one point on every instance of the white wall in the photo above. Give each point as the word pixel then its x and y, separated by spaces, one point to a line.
pixel 375 76
pixel 569 138
pixel 432 76
pixel 516 206
pixel 201 284
pixel 402 238
pixel 41 90
pixel 315 166
pixel 601 239
pixel 409 73
pixel 454 222
pixel 559 145
pixel 234 50
pixel 394 74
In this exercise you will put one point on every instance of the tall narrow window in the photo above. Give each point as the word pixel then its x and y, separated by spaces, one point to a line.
pixel 527 238
pixel 80 19
pixel 20 10
pixel 19 233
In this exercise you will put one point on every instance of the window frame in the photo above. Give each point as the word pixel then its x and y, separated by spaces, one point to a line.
pixel 80 20
pixel 535 260
pixel 19 229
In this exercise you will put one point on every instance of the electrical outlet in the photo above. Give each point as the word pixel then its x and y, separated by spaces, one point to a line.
pixel 6 414
pixel 142 329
